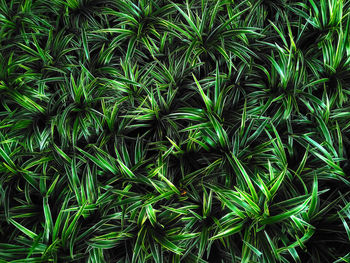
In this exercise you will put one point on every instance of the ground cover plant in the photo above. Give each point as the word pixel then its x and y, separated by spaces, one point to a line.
pixel 174 131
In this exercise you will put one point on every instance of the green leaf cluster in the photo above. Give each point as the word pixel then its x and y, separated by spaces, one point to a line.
pixel 174 131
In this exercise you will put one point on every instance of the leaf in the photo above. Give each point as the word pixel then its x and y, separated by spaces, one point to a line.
pixel 167 244
pixel 287 214
pixel 7 158
pixel 69 231
pixel 125 169
pixel 252 248
pixel 246 177
pixel 314 198
pixel 208 103
pixel 151 214
pixel 48 219
pixel 278 182
pixel 85 44
pixel 23 229
pixel 189 21
pixel 100 162
pixel 228 232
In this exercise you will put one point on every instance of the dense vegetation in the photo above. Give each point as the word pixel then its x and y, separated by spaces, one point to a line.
pixel 174 131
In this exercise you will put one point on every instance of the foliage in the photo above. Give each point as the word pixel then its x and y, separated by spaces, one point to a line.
pixel 174 131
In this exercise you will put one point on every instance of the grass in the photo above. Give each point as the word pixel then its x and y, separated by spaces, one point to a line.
pixel 174 131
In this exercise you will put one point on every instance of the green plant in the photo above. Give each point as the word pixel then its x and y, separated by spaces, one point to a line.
pixel 174 131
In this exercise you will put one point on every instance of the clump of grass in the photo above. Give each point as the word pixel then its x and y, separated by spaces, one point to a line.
pixel 174 131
